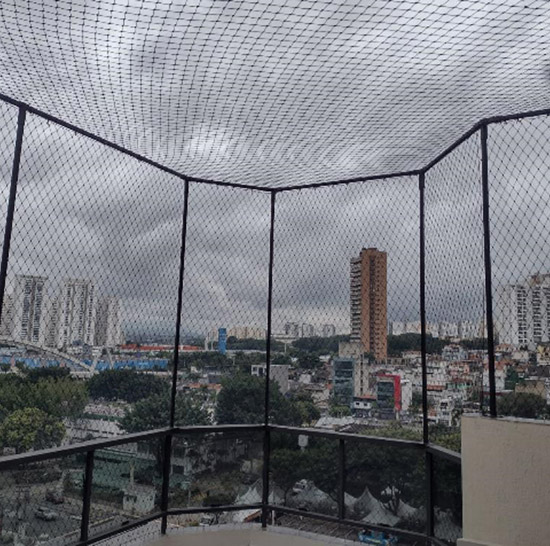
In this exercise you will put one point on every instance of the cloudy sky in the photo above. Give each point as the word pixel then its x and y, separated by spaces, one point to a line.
pixel 272 94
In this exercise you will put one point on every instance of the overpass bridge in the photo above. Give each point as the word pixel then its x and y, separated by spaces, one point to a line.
pixel 61 356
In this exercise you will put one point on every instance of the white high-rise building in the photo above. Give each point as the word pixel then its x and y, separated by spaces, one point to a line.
pixel 29 303
pixel 51 321
pixel 308 330
pixel 467 329
pixel 77 313
pixel 292 329
pixel 448 329
pixel 6 321
pixel 522 312
pixel 108 328
pixel 328 330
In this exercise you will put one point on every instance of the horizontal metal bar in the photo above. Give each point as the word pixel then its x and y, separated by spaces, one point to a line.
pixel 444 453
pixel 126 151
pixel 333 435
pixel 218 428
pixel 350 181
pixel 359 524
pixel 34 456
pixel 452 147
pixel 513 117
pixel 122 529
pixel 211 509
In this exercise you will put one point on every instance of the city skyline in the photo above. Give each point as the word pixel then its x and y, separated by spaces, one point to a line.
pixel 76 316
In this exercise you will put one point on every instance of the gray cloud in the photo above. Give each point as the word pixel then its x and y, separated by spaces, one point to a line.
pixel 275 93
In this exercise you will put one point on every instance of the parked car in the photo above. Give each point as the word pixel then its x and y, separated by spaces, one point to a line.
pixel 55 496
pixel 45 514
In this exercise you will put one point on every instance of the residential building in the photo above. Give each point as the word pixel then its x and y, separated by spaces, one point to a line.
pixel 246 332
pixel 328 330
pixel 292 329
pixel 361 369
pixel 77 313
pixel 467 329
pixel 308 330
pixel 108 326
pixel 343 380
pixel 277 372
pixel 398 328
pixel 368 301
pixel 448 330
pixel 6 321
pixel 522 311
pixel 29 303
pixel 388 395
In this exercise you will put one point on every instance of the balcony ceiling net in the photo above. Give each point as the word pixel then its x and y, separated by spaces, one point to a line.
pixel 278 93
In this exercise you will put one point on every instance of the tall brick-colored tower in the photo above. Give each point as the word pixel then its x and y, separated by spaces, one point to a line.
pixel 369 301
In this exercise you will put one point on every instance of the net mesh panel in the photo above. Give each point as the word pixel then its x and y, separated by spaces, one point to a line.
pixel 385 486
pixel 277 92
pixel 93 265
pixel 223 469
pixel 519 167
pixel 225 289
pixel 304 473
pixel 8 122
pixel 42 502
pixel 126 484
pixel 447 500
pixel 317 291
pixel 455 303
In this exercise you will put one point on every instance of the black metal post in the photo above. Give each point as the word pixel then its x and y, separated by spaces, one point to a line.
pixel 425 431
pixel 87 496
pixel 11 203
pixel 166 463
pixel 430 494
pixel 179 304
pixel 267 435
pixel 488 272
pixel 341 478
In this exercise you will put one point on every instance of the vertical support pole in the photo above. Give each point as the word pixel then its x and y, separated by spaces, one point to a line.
pixel 179 305
pixel 87 496
pixel 425 431
pixel 167 454
pixel 430 495
pixel 267 432
pixel 341 478
pixel 166 461
pixel 11 203
pixel 488 272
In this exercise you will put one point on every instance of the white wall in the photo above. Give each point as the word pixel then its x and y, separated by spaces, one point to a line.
pixel 505 482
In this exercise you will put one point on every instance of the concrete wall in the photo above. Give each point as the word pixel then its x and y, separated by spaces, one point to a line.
pixel 505 482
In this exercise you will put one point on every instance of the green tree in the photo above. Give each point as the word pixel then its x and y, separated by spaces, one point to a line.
pixel 65 397
pixel 126 384
pixel 61 397
pixel 154 412
pixel 31 428
pixel 242 400
pixel 34 375
pixel 319 345
pixel 522 404
pixel 287 467
pixel 411 342
pixel 308 361
pixel 280 359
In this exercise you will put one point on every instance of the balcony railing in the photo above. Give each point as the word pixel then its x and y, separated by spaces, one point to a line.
pixel 170 469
